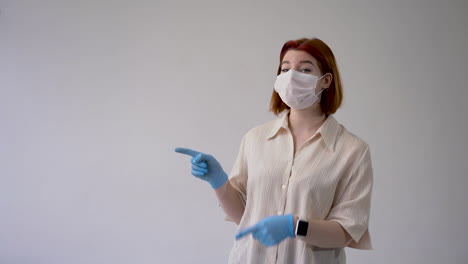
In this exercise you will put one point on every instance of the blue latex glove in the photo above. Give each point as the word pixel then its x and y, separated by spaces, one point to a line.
pixel 271 230
pixel 205 167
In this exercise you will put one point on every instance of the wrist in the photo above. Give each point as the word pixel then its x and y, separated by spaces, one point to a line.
pixel 290 218
pixel 219 181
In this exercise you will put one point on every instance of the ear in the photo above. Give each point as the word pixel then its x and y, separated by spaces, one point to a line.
pixel 327 80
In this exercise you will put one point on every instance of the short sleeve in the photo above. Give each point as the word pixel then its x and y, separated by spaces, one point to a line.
pixel 238 176
pixel 351 206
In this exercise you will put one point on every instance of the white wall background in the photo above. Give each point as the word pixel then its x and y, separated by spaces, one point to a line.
pixel 94 96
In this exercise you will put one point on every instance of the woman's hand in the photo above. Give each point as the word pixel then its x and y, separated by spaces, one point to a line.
pixel 271 230
pixel 205 167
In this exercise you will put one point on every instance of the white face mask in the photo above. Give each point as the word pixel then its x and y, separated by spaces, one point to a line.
pixel 297 89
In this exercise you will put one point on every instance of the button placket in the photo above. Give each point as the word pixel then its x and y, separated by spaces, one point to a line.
pixel 284 194
pixel 284 186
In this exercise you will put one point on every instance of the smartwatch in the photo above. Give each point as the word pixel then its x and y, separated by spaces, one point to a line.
pixel 301 228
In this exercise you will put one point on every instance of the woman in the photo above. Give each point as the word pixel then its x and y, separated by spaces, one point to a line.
pixel 301 186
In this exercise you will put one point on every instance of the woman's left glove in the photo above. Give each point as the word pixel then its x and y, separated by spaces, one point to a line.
pixel 271 230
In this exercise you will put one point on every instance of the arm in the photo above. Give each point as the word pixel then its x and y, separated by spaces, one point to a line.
pixel 206 167
pixel 325 234
pixel 230 201
pixel 348 218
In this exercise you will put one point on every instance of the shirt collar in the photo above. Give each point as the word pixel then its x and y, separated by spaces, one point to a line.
pixel 281 122
pixel 328 130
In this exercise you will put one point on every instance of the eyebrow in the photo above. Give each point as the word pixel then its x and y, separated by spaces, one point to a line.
pixel 304 61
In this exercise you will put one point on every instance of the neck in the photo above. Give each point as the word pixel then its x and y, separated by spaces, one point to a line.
pixel 309 119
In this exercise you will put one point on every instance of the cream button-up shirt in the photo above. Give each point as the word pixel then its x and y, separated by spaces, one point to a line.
pixel 328 178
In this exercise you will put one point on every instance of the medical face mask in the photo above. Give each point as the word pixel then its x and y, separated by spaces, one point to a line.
pixel 297 89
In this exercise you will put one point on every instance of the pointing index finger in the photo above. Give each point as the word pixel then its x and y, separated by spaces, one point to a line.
pixel 246 232
pixel 187 151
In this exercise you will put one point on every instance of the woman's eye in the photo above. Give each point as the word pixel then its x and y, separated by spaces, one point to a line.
pixel 303 70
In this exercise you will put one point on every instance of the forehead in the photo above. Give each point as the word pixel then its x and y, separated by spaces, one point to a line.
pixel 297 56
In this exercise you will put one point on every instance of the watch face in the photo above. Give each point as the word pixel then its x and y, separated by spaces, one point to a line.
pixel 302 227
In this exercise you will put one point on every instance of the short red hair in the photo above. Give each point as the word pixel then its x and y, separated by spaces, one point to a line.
pixel 332 97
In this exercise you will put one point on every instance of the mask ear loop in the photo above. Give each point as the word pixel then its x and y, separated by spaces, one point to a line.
pixel 320 92
pixel 323 90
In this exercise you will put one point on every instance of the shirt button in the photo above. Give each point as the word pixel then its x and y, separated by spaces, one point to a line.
pixel 280 212
pixel 284 186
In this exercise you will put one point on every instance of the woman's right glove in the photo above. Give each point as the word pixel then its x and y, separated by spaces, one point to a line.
pixel 205 167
